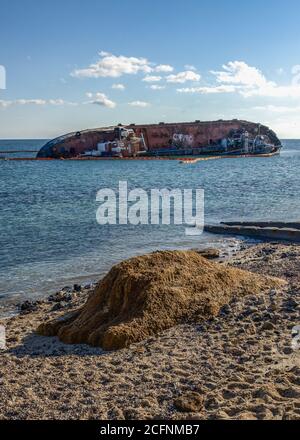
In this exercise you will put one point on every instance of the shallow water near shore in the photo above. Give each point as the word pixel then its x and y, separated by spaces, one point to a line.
pixel 49 236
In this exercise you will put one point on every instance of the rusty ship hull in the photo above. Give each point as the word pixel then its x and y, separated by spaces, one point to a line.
pixel 166 139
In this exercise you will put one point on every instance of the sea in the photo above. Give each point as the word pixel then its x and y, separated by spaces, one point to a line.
pixel 49 236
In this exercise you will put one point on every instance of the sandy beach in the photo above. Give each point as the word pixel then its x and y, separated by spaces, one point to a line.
pixel 239 365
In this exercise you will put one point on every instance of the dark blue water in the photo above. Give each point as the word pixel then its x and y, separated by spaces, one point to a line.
pixel 49 236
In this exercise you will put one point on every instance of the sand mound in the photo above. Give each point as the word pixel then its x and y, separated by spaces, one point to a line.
pixel 145 295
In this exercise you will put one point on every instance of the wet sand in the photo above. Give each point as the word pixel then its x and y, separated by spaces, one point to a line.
pixel 240 365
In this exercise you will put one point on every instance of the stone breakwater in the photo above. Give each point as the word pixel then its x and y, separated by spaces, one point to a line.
pixel 238 364
pixel 286 231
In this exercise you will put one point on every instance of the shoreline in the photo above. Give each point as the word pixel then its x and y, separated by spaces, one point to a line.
pixel 250 339
pixel 10 303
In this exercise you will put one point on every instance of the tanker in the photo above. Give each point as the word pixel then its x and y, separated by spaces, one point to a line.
pixel 198 138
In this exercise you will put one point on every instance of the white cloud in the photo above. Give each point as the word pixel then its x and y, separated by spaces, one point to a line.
pixel 157 87
pixel 114 66
pixel 190 67
pixel 110 65
pixel 286 128
pixel 30 101
pixel 152 78
pixel 2 77
pixel 239 77
pixel 57 102
pixel 238 72
pixel 183 77
pixel 100 99
pixel 277 109
pixel 296 75
pixel 118 86
pixel 4 103
pixel 97 98
pixel 254 83
pixel 208 90
pixel 139 104
pixel 164 68
pixel 273 91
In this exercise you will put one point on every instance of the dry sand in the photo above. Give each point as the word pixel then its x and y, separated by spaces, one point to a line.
pixel 238 365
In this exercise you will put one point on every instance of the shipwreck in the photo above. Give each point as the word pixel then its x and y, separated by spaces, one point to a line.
pixel 198 138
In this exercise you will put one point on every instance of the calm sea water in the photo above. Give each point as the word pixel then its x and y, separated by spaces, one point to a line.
pixel 49 236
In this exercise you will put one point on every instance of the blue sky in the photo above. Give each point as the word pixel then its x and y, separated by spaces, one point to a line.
pixel 72 64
